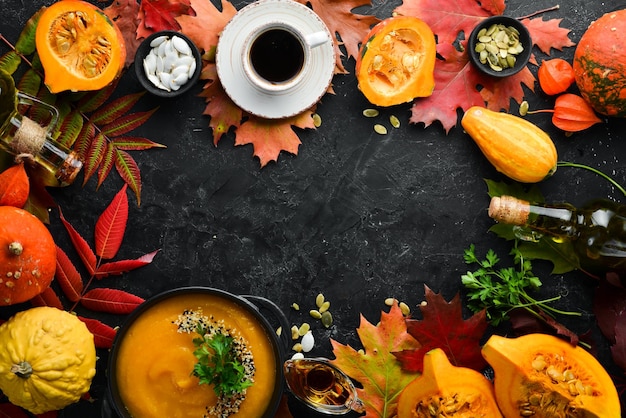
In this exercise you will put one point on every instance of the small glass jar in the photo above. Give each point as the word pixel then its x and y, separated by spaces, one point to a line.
pixel 27 139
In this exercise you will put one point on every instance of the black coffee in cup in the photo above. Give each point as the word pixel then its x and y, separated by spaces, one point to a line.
pixel 277 55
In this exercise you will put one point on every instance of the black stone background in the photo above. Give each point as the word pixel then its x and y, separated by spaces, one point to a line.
pixel 355 215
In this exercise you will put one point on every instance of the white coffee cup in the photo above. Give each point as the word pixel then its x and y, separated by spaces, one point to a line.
pixel 275 58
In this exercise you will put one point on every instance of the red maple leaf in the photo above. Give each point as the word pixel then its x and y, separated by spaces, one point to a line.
pixel 124 14
pixel 157 15
pixel 443 327
pixel 457 83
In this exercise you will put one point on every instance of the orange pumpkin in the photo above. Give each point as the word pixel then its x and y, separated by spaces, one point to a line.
pixel 27 256
pixel 80 48
pixel 396 61
pixel 599 64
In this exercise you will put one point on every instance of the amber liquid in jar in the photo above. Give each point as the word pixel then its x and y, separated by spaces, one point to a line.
pixel 321 385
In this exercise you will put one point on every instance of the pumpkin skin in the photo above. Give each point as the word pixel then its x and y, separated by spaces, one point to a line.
pixel 68 32
pixel 48 360
pixel 459 391
pixel 544 376
pixel 599 64
pixel 515 147
pixel 396 61
pixel 27 256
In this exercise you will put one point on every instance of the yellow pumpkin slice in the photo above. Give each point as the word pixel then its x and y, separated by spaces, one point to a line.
pixel 396 61
pixel 80 48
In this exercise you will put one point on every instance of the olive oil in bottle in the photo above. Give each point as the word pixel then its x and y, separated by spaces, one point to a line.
pixel 322 386
pixel 596 230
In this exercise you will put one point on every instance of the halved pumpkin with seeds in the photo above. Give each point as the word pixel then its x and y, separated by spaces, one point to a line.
pixel 80 48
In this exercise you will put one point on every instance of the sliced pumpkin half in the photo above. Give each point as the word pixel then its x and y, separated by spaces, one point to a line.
pixel 80 48
pixel 396 61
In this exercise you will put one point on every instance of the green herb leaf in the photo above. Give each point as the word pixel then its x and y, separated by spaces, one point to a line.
pixel 218 363
pixel 500 290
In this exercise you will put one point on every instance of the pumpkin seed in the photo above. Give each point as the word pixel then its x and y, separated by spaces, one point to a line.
pixel 404 308
pixel 380 129
pixel 319 300
pixel 295 334
pixel 295 306
pixel 327 319
pixel 497 46
pixel 389 301
pixel 317 120
pixel 370 113
pixel 325 306
pixel 395 122
pixel 315 313
pixel 308 341
pixel 297 347
pixel 523 108
pixel 279 331
pixel 304 328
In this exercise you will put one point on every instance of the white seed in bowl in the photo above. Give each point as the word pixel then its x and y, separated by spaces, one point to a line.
pixel 169 64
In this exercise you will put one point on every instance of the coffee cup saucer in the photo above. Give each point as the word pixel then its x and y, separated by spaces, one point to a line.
pixel 273 104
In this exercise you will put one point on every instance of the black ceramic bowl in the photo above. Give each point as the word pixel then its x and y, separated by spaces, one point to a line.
pixel 143 51
pixel 521 58
pixel 256 308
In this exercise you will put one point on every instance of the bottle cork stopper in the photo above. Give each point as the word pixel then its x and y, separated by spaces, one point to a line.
pixel 509 210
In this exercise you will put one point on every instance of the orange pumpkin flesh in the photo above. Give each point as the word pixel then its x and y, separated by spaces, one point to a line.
pixel 80 48
pixel 446 390
pixel 540 376
pixel 599 64
pixel 27 256
pixel 396 62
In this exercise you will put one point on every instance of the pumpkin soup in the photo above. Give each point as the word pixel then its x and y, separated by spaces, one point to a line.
pixel 156 360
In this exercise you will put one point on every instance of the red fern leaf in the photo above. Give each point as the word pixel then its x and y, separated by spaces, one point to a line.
pixel 103 335
pixel 83 142
pixel 129 170
pixel 68 277
pixel 111 226
pixel 95 154
pixel 122 266
pixel 127 123
pixel 134 143
pixel 107 163
pixel 47 298
pixel 114 110
pixel 93 100
pixel 85 252
pixel 110 300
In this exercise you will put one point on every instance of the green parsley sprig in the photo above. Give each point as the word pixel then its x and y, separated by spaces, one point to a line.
pixel 218 364
pixel 500 290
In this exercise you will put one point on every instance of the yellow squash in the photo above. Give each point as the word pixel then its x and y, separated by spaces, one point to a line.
pixel 516 147
pixel 47 360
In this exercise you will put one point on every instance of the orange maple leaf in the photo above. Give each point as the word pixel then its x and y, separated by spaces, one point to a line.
pixel 271 136
pixel 204 28
pixel 223 111
pixel 377 370
pixel 351 27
